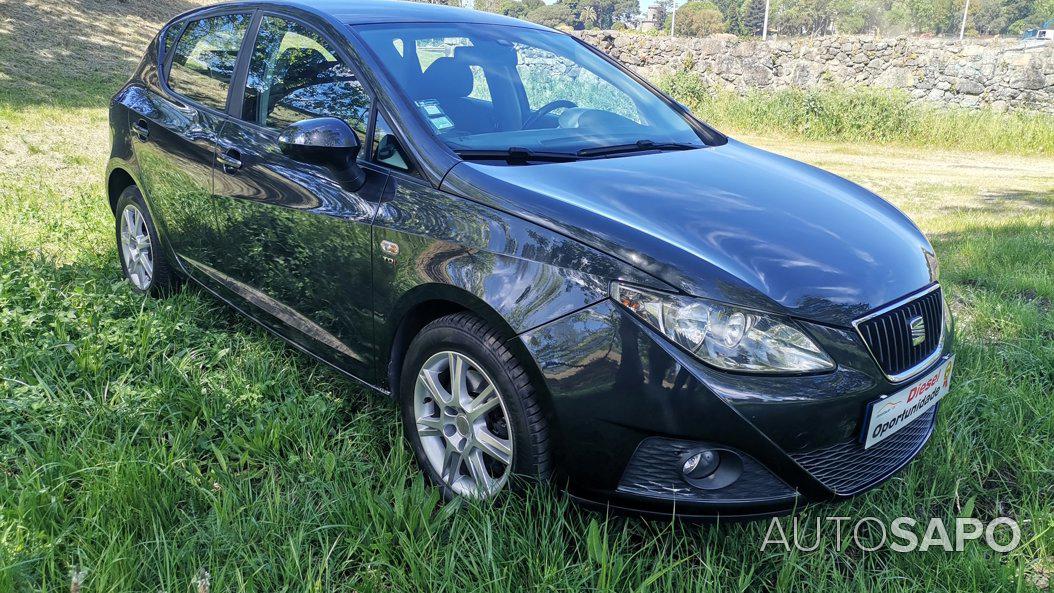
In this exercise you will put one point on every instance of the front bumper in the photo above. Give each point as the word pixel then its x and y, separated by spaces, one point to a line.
pixel 626 404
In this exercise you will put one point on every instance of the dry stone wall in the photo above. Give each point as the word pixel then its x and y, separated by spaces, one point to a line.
pixel 997 74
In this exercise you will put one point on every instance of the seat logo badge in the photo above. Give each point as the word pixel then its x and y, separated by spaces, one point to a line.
pixel 917 325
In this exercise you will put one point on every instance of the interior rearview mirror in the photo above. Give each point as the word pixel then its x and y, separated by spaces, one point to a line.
pixel 329 142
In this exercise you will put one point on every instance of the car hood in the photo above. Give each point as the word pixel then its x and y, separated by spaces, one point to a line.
pixel 730 222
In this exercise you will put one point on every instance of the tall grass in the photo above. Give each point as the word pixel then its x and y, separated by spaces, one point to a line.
pixel 866 115
pixel 172 446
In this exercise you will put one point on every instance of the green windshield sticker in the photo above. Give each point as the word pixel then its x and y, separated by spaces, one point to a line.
pixel 435 115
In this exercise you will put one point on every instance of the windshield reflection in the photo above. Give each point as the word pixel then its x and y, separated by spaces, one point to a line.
pixel 502 88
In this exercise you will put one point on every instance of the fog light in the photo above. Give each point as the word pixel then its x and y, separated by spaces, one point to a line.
pixel 711 469
pixel 701 464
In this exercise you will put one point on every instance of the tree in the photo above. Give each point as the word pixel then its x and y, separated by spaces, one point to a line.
pixel 989 17
pixel 513 8
pixel 588 17
pixel 603 13
pixel 753 15
pixel 820 17
pixel 791 17
pixel 730 10
pixel 1016 10
pixel 860 16
pixel 585 14
pixel 1042 11
pixel 698 19
pixel 552 15
pixel 917 15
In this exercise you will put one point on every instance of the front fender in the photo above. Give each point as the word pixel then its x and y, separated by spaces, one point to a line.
pixel 514 273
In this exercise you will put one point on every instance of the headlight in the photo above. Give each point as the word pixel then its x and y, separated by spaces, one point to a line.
pixel 724 336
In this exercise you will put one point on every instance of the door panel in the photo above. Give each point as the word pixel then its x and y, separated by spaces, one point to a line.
pixel 175 162
pixel 297 246
pixel 292 243
pixel 174 139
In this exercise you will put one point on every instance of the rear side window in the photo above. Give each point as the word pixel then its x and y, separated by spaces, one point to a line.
pixel 294 74
pixel 204 59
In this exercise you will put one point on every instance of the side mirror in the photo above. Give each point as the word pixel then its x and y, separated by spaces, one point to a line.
pixel 329 142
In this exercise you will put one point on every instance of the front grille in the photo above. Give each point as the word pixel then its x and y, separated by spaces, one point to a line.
pixel 888 334
pixel 847 468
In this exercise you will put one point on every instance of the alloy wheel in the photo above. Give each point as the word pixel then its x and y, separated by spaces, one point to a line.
pixel 463 425
pixel 136 249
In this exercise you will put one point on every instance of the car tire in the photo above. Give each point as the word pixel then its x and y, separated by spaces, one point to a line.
pixel 435 428
pixel 143 261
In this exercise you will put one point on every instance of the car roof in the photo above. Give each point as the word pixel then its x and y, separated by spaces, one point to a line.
pixel 359 12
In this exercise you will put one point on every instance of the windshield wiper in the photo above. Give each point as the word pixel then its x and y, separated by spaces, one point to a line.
pixel 515 155
pixel 638 146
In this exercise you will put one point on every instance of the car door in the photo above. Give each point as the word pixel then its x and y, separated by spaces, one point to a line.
pixel 175 132
pixel 294 243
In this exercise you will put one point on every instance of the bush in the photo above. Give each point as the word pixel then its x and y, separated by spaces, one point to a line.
pixel 869 115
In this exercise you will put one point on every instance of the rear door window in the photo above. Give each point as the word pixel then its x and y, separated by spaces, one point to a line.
pixel 205 57
pixel 294 74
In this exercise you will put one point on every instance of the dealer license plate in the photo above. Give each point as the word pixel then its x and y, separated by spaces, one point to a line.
pixel 891 413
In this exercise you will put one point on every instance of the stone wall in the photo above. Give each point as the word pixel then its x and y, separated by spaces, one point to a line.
pixel 999 74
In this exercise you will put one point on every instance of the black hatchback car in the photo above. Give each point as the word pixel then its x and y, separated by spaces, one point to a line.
pixel 554 269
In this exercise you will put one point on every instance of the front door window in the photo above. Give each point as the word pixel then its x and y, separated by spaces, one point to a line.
pixel 294 75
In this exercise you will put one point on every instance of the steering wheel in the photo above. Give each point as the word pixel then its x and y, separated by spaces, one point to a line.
pixel 545 109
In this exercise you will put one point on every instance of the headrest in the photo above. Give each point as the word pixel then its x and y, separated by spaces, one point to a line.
pixel 447 77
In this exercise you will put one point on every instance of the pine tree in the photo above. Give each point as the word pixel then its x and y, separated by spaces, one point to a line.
pixel 730 9
pixel 753 16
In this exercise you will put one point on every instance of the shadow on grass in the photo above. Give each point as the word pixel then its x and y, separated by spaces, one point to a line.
pixel 77 53
pixel 1019 200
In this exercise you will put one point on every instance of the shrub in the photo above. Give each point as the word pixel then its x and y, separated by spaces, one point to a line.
pixel 868 115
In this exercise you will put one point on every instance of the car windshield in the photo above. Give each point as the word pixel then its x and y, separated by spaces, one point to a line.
pixel 507 89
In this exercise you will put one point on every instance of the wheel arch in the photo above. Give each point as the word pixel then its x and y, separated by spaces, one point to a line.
pixel 426 303
pixel 117 181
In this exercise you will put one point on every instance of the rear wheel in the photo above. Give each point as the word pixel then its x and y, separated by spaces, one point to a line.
pixel 138 247
pixel 469 410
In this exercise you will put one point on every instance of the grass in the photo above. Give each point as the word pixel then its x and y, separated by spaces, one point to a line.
pixel 874 116
pixel 173 446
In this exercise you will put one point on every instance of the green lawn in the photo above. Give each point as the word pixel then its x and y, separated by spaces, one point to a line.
pixel 146 443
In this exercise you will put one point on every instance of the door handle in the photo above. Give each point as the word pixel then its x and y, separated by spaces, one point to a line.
pixel 141 130
pixel 229 159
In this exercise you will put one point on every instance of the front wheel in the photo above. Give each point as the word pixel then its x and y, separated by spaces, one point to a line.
pixel 469 410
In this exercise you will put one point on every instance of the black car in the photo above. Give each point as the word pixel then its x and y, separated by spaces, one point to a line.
pixel 555 270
